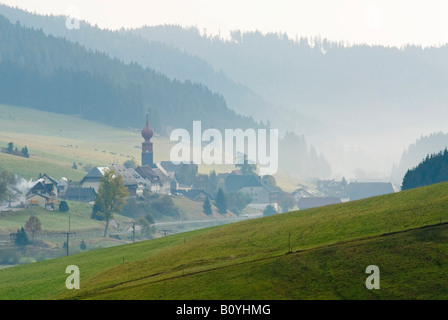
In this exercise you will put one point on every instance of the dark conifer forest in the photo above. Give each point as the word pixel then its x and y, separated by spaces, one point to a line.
pixel 52 74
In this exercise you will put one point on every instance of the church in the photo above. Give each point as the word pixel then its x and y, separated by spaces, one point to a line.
pixel 149 176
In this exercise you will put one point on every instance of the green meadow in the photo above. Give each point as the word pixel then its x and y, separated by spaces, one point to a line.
pixel 319 253
pixel 56 141
pixel 56 221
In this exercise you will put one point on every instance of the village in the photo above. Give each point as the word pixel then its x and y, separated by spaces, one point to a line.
pixel 166 178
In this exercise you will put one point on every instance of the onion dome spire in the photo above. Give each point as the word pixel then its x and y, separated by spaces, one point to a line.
pixel 147 132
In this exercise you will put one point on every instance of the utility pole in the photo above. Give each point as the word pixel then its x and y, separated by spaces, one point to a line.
pixel 68 234
pixel 133 231
pixel 165 232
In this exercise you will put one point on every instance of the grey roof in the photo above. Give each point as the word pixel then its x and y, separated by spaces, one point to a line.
pixel 41 186
pixel 235 182
pixel 47 177
pixel 155 175
pixel 361 190
pixel 162 176
pixel 94 175
pixel 146 172
pixel 79 192
pixel 130 176
pixel 194 193
pixel 314 202
pixel 96 172
pixel 171 167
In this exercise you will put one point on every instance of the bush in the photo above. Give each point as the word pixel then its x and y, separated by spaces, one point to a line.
pixel 269 210
pixel 9 256
pixel 63 206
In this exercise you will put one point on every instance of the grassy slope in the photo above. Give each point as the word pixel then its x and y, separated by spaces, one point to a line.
pixel 412 266
pixel 56 221
pixel 247 259
pixel 55 141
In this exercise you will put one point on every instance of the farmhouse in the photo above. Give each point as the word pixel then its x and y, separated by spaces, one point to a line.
pixel 42 195
pixel 176 168
pixel 195 195
pixel 156 180
pixel 49 182
pixel 92 179
pixel 262 193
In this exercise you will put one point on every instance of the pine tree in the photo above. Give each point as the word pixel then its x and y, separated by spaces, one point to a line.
pixel 221 201
pixel 10 148
pixel 207 207
pixel 22 237
pixel 25 152
pixel 213 180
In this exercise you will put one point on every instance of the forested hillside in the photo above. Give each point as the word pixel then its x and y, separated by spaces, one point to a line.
pixel 53 74
pixel 416 152
pixel 301 72
pixel 433 169
pixel 168 60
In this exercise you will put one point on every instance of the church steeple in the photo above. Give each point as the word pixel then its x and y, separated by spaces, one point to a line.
pixel 147 151
pixel 147 132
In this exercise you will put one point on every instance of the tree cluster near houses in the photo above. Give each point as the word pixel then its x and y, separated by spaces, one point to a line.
pixel 13 150
pixel 32 226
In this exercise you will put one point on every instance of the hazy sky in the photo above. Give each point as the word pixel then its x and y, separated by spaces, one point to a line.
pixel 387 22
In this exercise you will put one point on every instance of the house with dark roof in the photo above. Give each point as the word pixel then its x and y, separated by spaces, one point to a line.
pixel 92 178
pixel 362 190
pixel 195 194
pixel 42 195
pixel 156 180
pixel 169 166
pixel 304 192
pixel 131 180
pixel 262 193
pixel 315 202
pixel 80 194
pixel 332 188
pixel 62 186
pixel 49 182
pixel 152 178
